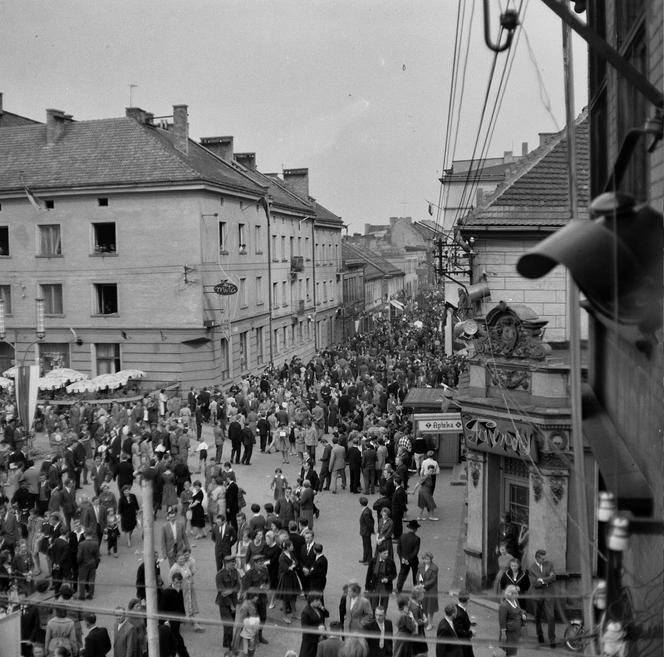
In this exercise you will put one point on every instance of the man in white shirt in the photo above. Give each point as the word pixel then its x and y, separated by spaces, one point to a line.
pixel 429 462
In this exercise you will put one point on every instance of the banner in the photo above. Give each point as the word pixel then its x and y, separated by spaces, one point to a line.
pixel 10 631
pixel 26 393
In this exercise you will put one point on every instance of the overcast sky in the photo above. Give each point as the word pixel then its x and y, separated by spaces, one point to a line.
pixel 355 90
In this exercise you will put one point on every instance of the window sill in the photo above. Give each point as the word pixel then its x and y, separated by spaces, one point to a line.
pixel 104 254
pixel 54 314
pixel 49 255
pixel 224 253
pixel 115 314
pixel 244 306
pixel 284 305
pixel 5 256
pixel 259 253
pixel 275 259
pixel 260 303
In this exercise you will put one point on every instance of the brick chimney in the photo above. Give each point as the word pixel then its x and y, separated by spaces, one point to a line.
pixel 524 148
pixel 139 115
pixel 297 180
pixel 247 160
pixel 508 157
pixel 56 120
pixel 221 146
pixel 181 128
pixel 545 137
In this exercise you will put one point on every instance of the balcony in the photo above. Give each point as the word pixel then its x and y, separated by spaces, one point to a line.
pixel 297 264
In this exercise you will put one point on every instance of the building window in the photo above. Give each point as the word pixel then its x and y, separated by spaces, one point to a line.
pixel 49 204
pixel 275 295
pixel 6 296
pixel 244 352
pixel 260 345
pixel 52 295
pixel 307 253
pixel 242 293
pixel 308 289
pixel 258 240
pixel 241 238
pixel 104 237
pixel 291 245
pixel 102 202
pixel 259 291
pixel 274 248
pixel 4 240
pixel 49 240
pixel 108 358
pixel 276 340
pixel 52 355
pixel 106 298
pixel 299 246
pixel 283 247
pixel 223 248
pixel 223 358
pixel 324 291
pixel 285 338
pixel 284 294
pixel 300 331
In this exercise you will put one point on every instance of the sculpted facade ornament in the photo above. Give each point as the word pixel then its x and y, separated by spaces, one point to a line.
pixel 509 378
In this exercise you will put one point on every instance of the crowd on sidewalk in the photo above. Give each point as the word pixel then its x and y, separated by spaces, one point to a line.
pixel 340 415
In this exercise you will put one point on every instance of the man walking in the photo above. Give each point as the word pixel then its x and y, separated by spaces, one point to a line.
pixel 337 464
pixel 542 576
pixel 228 588
pixel 380 575
pixel 87 558
pixel 408 549
pixel 366 530
pixel 224 538
pixel 399 506
pixel 173 537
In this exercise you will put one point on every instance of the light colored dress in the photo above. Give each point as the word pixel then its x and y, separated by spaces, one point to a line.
pixel 188 591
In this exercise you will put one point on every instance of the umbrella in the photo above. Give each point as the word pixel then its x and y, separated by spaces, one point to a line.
pixel 110 381
pixel 51 383
pixel 66 373
pixel 10 373
pixel 130 374
pixel 84 385
pixel 5 383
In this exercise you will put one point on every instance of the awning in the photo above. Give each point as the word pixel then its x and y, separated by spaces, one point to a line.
pixel 397 304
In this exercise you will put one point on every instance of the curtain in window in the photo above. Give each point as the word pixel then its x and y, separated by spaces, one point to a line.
pixel 108 358
pixel 50 240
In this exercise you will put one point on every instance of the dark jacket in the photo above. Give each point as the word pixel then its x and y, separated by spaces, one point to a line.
pixel 376 572
pixel 97 643
pixel 408 546
pixel 366 522
pixel 318 574
pixel 445 631
pixel 374 648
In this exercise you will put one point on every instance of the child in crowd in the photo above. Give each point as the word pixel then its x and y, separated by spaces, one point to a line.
pixel 279 483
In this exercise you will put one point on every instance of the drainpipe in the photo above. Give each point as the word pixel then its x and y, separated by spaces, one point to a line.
pixel 266 206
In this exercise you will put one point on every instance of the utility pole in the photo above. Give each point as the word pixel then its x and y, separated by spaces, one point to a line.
pixel 574 332
pixel 149 565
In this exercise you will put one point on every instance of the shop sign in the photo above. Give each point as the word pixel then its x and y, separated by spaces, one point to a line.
pixel 439 423
pixel 225 288
pixel 490 435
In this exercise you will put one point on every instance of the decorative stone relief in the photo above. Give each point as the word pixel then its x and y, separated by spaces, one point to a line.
pixel 475 472
pixel 509 378
pixel 538 486
pixel 557 488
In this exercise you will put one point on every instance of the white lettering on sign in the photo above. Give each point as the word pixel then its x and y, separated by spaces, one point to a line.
pixel 449 422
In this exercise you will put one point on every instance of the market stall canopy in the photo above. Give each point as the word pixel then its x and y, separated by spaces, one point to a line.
pixel 110 381
pixel 66 373
pixel 11 372
pixel 51 382
pixel 130 374
pixel 85 385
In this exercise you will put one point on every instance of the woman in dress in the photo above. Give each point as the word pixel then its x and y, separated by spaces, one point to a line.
pixel 169 495
pixel 216 499
pixel 128 509
pixel 406 629
pixel 515 575
pixel 186 566
pixel 241 548
pixel 385 531
pixel 510 619
pixel 288 587
pixel 257 546
pixel 313 616
pixel 425 502
pixel 427 577
pixel 271 552
pixel 197 511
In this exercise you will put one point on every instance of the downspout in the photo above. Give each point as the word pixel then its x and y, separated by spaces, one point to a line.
pixel 266 206
pixel 313 280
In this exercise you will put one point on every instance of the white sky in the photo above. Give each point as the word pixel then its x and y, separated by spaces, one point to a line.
pixel 355 90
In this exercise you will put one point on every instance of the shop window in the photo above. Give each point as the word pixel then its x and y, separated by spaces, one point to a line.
pixel 52 355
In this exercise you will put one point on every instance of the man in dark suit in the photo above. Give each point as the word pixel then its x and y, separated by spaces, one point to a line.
pixel 380 645
pixel 228 588
pixel 68 501
pixel 93 517
pixel 462 624
pixel 408 549
pixel 542 577
pixel 325 474
pixel 172 604
pixel 380 575
pixel 88 560
pixel 224 538
pixel 296 539
pixel 232 501
pixel 286 507
pixel 317 571
pixel 354 458
pixel 235 436
pixel 366 529
pixel 306 557
pixel 446 631
pixel 399 506
pixel 97 642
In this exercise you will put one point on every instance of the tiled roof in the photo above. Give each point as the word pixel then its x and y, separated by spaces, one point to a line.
pixel 107 152
pixel 372 259
pixel 326 215
pixel 280 195
pixel 11 120
pixel 536 193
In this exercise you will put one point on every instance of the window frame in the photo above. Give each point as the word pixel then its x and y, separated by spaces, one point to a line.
pixel 4 227
pixel 97 311
pixel 47 298
pixel 96 250
pixel 39 229
pixel 7 297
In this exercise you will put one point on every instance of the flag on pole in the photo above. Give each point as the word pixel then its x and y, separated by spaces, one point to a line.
pixel 35 201
pixel 26 393
pixel 431 209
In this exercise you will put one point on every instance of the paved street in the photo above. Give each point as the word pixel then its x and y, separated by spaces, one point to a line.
pixel 337 530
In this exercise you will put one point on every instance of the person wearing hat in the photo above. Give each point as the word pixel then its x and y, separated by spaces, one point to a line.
pixel 408 549
pixel 542 576
pixel 380 575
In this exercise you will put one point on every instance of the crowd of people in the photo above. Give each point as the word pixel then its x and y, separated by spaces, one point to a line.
pixel 340 416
